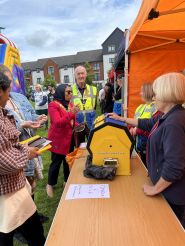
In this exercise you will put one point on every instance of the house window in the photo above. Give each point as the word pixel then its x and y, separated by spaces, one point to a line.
pixel 111 60
pixel 66 79
pixel 65 67
pixel 96 66
pixel 38 80
pixel 96 76
pixel 37 70
pixel 51 70
pixel 111 48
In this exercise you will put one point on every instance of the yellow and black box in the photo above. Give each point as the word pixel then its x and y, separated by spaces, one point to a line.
pixel 111 140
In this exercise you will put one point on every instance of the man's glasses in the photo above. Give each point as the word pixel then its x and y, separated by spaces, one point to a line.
pixel 68 92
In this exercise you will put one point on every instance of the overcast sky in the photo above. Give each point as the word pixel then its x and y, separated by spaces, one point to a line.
pixel 48 28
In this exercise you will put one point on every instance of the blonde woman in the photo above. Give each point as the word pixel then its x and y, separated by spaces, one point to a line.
pixel 166 142
pixel 144 111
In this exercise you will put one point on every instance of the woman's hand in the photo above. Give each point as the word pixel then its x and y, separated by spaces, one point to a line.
pixel 33 152
pixel 149 190
pixel 116 117
pixel 75 109
pixel 152 190
pixel 30 124
pixel 42 119
pixel 133 131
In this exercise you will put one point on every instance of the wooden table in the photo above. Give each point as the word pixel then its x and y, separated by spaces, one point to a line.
pixel 128 218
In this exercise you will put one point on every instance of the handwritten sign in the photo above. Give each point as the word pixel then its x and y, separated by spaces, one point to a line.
pixel 79 191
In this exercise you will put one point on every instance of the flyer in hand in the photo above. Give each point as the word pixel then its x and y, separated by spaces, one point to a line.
pixel 37 141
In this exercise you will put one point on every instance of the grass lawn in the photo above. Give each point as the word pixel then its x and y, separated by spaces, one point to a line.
pixel 45 205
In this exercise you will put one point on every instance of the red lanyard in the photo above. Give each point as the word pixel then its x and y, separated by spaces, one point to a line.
pixel 154 128
pixel 151 132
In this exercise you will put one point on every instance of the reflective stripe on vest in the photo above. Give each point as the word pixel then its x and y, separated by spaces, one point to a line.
pixel 88 101
pixel 145 111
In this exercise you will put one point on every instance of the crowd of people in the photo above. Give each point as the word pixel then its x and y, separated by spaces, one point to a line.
pixel 158 128
pixel 20 165
pixel 108 95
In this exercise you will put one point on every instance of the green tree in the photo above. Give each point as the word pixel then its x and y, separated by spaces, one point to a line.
pixel 27 86
pixel 49 81
pixel 90 73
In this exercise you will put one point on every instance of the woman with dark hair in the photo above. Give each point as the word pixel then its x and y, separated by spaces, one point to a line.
pixel 108 101
pixel 118 94
pixel 62 121
pixel 17 209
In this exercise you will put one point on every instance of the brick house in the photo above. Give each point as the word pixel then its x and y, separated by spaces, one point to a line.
pixel 61 68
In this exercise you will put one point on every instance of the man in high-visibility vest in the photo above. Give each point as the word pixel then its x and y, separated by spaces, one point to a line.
pixel 85 96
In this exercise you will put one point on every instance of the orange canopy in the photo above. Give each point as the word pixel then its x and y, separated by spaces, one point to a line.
pixel 156 45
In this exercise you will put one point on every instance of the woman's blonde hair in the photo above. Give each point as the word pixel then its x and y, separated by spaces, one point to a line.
pixel 38 86
pixel 147 92
pixel 170 88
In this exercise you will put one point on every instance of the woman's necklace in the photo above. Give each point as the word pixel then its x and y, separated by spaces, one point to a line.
pixel 68 108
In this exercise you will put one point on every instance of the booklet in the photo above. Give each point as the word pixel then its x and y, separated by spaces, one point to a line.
pixel 37 141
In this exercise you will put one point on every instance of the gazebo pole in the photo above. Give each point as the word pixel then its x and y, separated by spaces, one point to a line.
pixel 125 82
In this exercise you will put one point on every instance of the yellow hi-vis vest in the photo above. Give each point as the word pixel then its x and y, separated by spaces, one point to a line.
pixel 88 101
pixel 145 111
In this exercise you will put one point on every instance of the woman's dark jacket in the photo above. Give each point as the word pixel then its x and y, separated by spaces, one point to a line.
pixel 166 152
